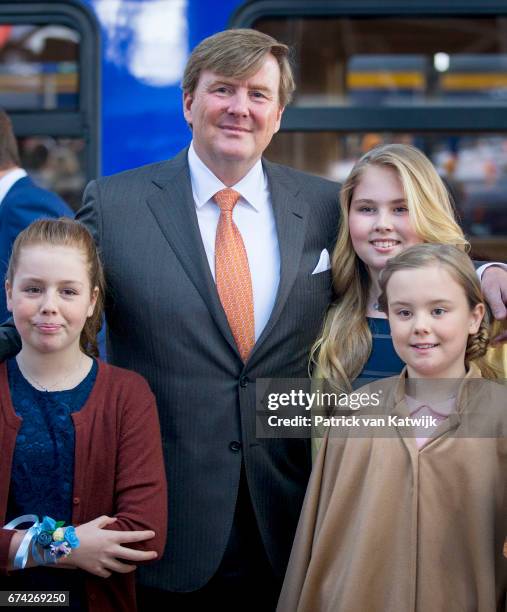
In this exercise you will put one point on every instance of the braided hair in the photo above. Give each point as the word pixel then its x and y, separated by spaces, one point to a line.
pixel 460 267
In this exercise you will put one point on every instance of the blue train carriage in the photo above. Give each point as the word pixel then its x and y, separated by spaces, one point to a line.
pixel 93 87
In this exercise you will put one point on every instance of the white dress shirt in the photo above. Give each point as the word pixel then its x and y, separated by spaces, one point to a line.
pixel 253 215
pixel 8 180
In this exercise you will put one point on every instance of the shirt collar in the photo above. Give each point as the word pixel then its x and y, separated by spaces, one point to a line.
pixel 466 383
pixel 439 409
pixel 8 180
pixel 205 184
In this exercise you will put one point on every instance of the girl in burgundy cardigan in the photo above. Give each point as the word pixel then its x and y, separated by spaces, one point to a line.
pixel 80 439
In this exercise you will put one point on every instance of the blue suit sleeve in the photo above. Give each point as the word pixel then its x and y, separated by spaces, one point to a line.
pixel 28 205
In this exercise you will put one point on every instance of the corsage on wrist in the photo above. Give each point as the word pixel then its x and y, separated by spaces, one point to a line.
pixel 55 540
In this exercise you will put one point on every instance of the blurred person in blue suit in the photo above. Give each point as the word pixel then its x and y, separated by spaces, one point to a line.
pixel 21 201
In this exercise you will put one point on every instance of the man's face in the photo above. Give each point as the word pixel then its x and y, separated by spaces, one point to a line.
pixel 234 120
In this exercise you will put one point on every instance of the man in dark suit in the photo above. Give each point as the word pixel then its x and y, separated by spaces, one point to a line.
pixel 234 499
pixel 21 201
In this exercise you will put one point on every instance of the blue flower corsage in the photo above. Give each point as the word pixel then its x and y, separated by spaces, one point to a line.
pixel 50 535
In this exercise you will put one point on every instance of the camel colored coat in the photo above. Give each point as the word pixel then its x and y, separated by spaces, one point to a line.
pixel 387 527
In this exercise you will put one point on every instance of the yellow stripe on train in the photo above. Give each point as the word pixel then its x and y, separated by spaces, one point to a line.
pixel 62 83
pixel 385 79
pixel 458 81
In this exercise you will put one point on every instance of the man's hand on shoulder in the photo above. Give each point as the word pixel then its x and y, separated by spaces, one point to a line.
pixel 10 342
pixel 494 287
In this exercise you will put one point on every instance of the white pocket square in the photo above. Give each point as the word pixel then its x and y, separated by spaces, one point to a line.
pixel 324 262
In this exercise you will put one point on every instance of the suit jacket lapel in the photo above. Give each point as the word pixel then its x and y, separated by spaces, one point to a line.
pixel 291 217
pixel 172 204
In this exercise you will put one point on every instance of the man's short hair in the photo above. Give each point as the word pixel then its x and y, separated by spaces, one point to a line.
pixel 239 54
pixel 9 154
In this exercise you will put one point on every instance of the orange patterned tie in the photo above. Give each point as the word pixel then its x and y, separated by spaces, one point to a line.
pixel 232 274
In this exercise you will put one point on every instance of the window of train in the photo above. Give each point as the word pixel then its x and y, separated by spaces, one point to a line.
pixel 473 166
pixel 413 74
pixel 38 67
pixel 49 87
pixel 396 61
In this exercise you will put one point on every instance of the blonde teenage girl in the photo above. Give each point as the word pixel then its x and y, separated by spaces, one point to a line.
pixel 392 199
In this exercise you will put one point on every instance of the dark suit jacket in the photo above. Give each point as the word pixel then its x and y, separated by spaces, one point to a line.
pixel 165 321
pixel 23 203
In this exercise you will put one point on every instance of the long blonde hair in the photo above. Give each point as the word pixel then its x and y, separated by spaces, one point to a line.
pixel 345 342
pixel 460 267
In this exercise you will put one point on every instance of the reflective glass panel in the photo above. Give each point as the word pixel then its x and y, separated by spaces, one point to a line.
pixel 57 164
pixel 38 67
pixel 396 61
pixel 474 167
